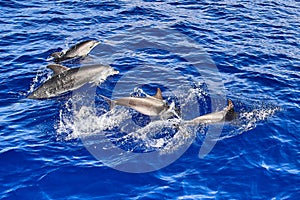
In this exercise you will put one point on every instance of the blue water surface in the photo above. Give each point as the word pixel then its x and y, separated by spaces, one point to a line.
pixel 255 46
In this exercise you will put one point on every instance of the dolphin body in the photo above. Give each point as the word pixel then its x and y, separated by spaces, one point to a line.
pixel 150 105
pixel 227 114
pixel 79 50
pixel 68 79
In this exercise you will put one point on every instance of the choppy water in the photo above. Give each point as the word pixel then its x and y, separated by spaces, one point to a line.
pixel 199 54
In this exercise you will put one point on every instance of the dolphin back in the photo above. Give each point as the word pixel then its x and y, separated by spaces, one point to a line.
pixel 227 114
pixel 81 49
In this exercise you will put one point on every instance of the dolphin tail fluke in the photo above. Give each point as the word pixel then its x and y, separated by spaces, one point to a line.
pixel 110 102
pixel 178 125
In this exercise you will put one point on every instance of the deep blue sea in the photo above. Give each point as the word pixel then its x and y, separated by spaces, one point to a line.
pixel 200 53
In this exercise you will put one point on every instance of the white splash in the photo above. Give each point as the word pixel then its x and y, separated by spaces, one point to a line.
pixel 248 120
pixel 40 77
pixel 159 134
pixel 163 135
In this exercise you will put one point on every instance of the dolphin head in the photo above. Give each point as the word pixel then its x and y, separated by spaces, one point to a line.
pixel 82 49
pixel 90 44
pixel 114 71
pixel 177 111
pixel 38 94
pixel 57 55
pixel 170 111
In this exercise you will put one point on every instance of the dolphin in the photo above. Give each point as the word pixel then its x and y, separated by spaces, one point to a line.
pixel 150 105
pixel 68 79
pixel 79 50
pixel 227 114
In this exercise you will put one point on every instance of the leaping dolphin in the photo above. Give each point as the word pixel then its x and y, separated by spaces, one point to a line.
pixel 68 79
pixel 150 105
pixel 227 114
pixel 81 49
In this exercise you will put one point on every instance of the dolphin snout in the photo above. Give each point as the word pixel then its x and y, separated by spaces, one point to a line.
pixel 31 96
pixel 115 72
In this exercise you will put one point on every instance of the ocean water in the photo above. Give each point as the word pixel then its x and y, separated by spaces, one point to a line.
pixel 200 53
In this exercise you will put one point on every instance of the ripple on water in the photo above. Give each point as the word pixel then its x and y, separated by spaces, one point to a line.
pixel 255 46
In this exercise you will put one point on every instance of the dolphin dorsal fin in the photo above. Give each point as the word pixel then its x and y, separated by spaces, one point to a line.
pixel 158 94
pixel 230 105
pixel 230 113
pixel 57 69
